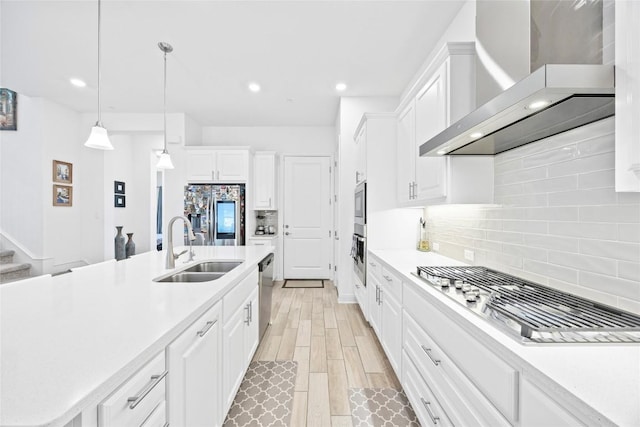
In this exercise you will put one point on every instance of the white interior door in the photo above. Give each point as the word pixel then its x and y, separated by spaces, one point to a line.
pixel 307 217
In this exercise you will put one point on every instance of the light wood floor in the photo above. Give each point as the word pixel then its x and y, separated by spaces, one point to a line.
pixel 335 349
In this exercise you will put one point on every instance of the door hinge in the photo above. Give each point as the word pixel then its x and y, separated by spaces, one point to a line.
pixel 329 169
pixel 335 198
pixel 335 268
pixel 335 163
pixel 329 233
pixel 329 266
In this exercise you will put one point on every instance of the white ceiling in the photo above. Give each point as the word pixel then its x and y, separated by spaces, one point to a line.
pixel 296 50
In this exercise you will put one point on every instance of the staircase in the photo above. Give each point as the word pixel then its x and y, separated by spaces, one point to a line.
pixel 10 271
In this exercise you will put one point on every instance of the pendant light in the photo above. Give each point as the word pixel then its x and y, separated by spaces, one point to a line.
pixel 165 160
pixel 98 137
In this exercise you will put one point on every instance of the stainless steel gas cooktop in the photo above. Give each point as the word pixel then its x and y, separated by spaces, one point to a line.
pixel 532 312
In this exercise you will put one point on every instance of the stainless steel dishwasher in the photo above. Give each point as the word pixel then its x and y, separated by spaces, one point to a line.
pixel 265 267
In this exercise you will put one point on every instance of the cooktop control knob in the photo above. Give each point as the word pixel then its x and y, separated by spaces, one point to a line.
pixel 466 287
pixel 458 284
pixel 471 296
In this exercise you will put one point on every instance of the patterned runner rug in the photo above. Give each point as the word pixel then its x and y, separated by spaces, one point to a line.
pixel 381 407
pixel 265 397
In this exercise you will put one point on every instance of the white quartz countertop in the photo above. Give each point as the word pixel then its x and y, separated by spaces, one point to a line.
pixel 66 341
pixel 604 377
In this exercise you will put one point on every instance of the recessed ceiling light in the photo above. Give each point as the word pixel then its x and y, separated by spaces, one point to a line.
pixel 254 87
pixel 537 104
pixel 77 82
pixel 341 87
pixel 476 135
pixel 442 151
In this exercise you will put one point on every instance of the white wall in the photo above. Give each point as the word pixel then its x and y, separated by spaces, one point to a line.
pixel 284 140
pixel 558 220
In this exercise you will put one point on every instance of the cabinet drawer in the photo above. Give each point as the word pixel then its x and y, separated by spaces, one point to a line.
pixel 391 284
pixel 423 400
pixel 158 417
pixel 374 266
pixel 496 379
pixel 147 385
pixel 464 403
pixel 236 296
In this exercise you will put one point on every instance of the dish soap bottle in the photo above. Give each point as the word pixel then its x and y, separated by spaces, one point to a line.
pixel 423 244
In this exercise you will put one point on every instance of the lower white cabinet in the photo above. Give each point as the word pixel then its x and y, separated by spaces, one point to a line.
pixel 538 409
pixel 375 310
pixel 361 294
pixel 240 335
pixel 391 339
pixel 138 398
pixel 195 367
pixel 269 240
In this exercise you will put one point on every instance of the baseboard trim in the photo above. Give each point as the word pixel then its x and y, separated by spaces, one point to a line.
pixel 347 299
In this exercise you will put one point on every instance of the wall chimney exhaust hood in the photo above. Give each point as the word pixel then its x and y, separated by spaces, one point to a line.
pixel 553 99
pixel 538 73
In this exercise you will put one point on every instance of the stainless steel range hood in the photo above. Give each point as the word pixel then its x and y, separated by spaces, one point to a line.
pixel 514 39
pixel 554 99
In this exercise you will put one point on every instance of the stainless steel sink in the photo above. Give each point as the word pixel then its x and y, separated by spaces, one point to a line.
pixel 202 272
pixel 188 277
pixel 214 267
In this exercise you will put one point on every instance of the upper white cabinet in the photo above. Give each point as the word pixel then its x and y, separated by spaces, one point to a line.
pixel 361 154
pixel 446 93
pixel 264 179
pixel 223 166
pixel 627 52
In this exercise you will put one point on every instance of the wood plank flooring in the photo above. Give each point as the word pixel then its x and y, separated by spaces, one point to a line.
pixel 335 349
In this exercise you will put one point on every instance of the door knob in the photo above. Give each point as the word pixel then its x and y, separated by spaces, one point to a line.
pixel 286 226
pixel 286 233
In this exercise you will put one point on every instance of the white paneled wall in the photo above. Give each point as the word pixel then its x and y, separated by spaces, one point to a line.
pixel 557 219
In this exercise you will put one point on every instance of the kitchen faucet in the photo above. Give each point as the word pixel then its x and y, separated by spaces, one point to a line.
pixel 171 257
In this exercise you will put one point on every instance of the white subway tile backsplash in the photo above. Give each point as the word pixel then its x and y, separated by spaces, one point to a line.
pixel 629 233
pixel 557 219
pixel 613 214
pixel 598 162
pixel 598 179
pixel 558 243
pixel 629 270
pixel 614 250
pixel 552 271
pixel 590 230
pixel 620 287
pixel 597 196
pixel 583 262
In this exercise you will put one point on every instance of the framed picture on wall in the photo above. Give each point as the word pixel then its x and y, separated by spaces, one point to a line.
pixel 62 195
pixel 118 187
pixel 119 201
pixel 8 109
pixel 62 172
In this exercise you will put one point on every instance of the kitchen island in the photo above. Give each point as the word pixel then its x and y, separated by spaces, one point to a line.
pixel 592 384
pixel 67 342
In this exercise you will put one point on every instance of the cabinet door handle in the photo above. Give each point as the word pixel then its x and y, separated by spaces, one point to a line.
pixel 415 190
pixel 213 175
pixel 377 293
pixel 427 406
pixel 251 311
pixel 269 201
pixel 202 332
pixel 380 296
pixel 357 175
pixel 428 352
pixel 248 319
pixel 410 187
pixel 155 380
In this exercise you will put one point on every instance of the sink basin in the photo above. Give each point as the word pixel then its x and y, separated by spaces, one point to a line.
pixel 190 277
pixel 205 271
pixel 214 267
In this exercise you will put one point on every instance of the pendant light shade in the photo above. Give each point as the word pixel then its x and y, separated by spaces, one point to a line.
pixel 98 138
pixel 165 160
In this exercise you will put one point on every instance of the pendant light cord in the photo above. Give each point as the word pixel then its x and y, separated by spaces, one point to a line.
pixel 99 73
pixel 165 101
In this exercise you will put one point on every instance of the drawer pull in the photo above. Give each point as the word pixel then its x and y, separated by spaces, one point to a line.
pixel 155 380
pixel 372 264
pixel 206 328
pixel 428 351
pixel 389 279
pixel 248 319
pixel 427 406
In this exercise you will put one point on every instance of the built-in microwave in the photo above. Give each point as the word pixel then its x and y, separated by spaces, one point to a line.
pixel 360 197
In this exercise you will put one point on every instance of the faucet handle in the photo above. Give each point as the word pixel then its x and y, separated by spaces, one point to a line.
pixel 175 256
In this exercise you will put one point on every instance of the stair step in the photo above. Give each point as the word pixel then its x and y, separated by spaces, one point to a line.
pixel 13 271
pixel 6 256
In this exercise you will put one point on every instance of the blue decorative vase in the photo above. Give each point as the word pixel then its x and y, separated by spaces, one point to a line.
pixel 119 244
pixel 130 247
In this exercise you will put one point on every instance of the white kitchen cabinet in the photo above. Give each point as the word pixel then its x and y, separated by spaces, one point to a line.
pixel 375 310
pixel 222 166
pixel 239 335
pixel 446 93
pixel 135 400
pixel 269 240
pixel 195 365
pixel 538 409
pixel 264 181
pixel 391 339
pixel 361 154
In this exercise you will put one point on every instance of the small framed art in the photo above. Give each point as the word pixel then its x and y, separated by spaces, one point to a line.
pixel 119 201
pixel 62 172
pixel 62 195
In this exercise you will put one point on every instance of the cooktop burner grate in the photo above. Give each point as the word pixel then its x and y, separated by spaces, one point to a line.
pixel 542 313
